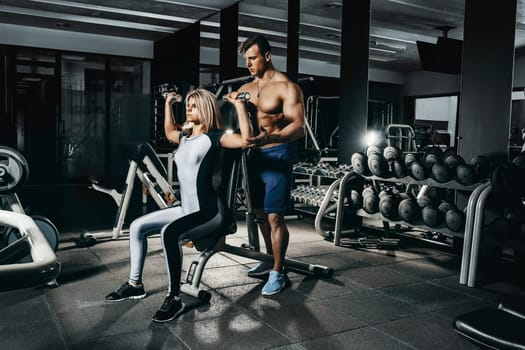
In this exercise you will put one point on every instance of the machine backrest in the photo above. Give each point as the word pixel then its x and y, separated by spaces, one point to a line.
pixel 230 165
pixel 138 152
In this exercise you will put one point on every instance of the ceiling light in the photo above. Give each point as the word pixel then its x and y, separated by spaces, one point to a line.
pixel 31 79
pixel 382 50
pixel 381 58
pixel 333 5
pixel 398 47
pixel 86 19
pixel 333 35
pixel 118 10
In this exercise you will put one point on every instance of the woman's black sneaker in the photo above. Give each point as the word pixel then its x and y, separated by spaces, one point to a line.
pixel 171 307
pixel 127 292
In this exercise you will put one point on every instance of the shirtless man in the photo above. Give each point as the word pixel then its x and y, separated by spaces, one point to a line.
pixel 278 105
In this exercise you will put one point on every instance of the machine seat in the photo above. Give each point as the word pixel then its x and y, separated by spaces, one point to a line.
pixel 493 328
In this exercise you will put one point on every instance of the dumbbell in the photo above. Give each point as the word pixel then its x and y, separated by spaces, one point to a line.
pixel 388 206
pixel 455 219
pixel 355 199
pixel 378 165
pixel 466 174
pixel 373 149
pixel 431 216
pixel 441 173
pixel 360 163
pixel 409 210
pixel 452 161
pixel 417 170
pixel 424 201
pixel 433 155
pixel 482 165
pixel 370 200
pixel 392 153
pixel 411 157
pixel 397 168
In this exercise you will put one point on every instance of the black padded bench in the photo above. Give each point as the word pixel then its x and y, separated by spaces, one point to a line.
pixel 501 327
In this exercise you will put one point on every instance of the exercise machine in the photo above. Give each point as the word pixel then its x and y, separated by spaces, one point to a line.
pixel 145 165
pixel 27 244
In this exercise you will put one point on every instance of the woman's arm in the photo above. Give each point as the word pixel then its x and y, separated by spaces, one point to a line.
pixel 170 129
pixel 238 140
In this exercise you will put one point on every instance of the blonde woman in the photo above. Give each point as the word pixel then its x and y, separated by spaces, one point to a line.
pixel 196 158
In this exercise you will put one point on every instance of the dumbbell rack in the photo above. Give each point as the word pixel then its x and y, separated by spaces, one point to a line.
pixel 473 222
pixel 327 203
pixel 407 180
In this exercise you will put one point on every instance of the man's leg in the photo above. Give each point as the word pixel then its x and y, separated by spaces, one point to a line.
pixel 263 268
pixel 279 240
pixel 265 228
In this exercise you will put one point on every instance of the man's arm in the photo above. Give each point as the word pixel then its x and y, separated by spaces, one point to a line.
pixel 236 140
pixel 293 111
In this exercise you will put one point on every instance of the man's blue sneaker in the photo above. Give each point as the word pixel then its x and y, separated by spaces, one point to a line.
pixel 261 269
pixel 275 283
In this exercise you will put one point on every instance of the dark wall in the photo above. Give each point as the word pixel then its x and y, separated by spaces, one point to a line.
pixel 176 59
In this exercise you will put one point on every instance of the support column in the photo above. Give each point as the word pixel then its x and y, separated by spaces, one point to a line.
pixel 292 51
pixel 229 18
pixel 486 80
pixel 353 106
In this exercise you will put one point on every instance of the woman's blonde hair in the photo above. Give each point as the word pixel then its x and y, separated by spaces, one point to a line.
pixel 206 104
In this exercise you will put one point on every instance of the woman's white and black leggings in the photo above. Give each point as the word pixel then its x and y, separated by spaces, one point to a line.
pixel 176 228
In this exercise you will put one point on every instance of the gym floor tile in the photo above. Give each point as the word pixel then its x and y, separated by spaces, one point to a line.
pixel 250 297
pixel 453 311
pixel 361 338
pixel 160 338
pixel 371 306
pixel 20 306
pixel 226 276
pixel 480 292
pixel 32 335
pixel 300 249
pixel 376 276
pixel 310 320
pixel 426 331
pixel 423 269
pixel 375 257
pixel 241 332
pixel 106 319
pixel 336 261
pixel 322 288
pixel 426 296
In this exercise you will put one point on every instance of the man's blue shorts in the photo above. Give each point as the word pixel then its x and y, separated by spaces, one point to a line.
pixel 270 177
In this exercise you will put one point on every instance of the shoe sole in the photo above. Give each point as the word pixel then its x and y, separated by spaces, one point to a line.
pixel 259 274
pixel 134 297
pixel 177 314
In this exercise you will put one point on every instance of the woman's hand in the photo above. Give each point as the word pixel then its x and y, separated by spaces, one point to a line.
pixel 173 97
